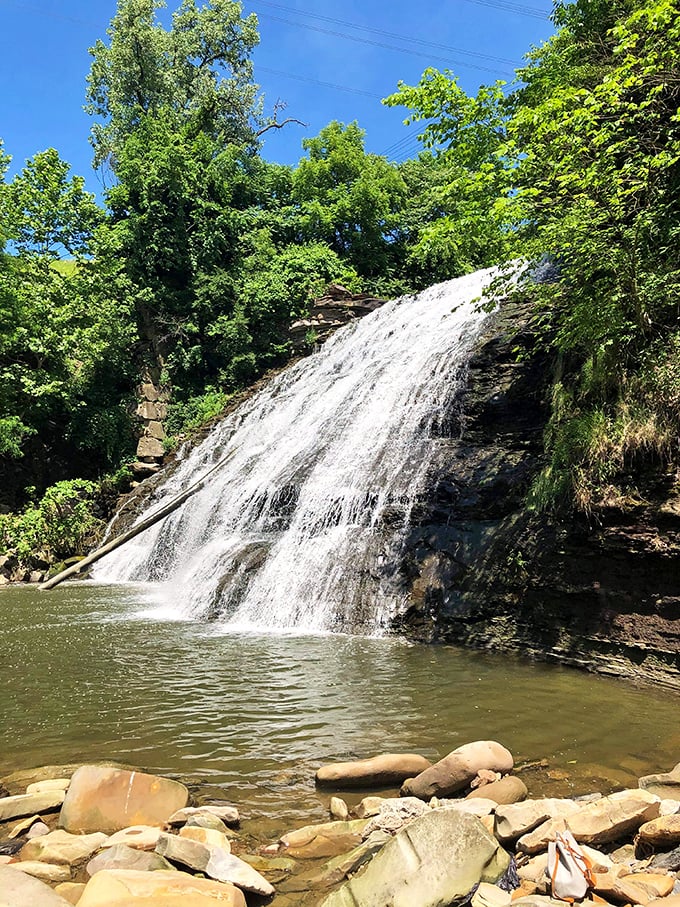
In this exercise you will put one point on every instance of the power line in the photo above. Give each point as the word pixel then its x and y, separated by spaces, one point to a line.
pixel 387 34
pixel 298 78
pixel 372 43
pixel 512 8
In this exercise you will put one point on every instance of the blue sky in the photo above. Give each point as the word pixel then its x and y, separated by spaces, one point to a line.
pixel 305 59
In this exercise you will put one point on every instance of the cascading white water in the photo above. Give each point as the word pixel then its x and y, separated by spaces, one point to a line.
pixel 302 527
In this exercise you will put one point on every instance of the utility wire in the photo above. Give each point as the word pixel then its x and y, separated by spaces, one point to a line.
pixel 512 8
pixel 298 78
pixel 387 34
pixel 383 44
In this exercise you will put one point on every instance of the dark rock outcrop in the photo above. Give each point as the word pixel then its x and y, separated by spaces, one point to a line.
pixel 481 570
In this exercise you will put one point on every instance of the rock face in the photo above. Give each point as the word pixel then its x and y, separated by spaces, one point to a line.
pixel 437 859
pixel 107 799
pixel 455 771
pixel 380 771
pixel 479 570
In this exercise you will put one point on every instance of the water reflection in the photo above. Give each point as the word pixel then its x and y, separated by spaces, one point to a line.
pixel 93 672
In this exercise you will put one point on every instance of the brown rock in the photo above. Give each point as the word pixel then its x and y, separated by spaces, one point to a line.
pixel 209 836
pixel 150 392
pixel 150 447
pixel 659 832
pixel 510 789
pixel 70 891
pixel 654 883
pixel 369 806
pixel 125 887
pixel 455 771
pixel 107 799
pixel 155 430
pixel 617 888
pixel 380 771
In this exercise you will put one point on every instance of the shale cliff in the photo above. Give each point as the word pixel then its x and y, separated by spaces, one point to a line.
pixel 482 570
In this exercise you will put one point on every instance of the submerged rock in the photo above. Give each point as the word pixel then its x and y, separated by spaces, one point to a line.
pixel 455 771
pixel 102 798
pixel 437 859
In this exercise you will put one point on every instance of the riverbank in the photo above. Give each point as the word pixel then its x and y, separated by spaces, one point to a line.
pixel 100 834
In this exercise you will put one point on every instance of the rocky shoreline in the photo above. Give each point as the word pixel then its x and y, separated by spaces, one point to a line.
pixel 465 829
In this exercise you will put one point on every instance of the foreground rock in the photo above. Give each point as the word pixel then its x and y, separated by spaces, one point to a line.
pixel 387 770
pixel 20 890
pixel 600 822
pixel 455 771
pixel 510 789
pixel 107 799
pixel 437 859
pixel 126 887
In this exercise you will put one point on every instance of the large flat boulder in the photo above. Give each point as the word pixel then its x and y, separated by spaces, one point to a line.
pixel 455 771
pixel 436 860
pixel 386 770
pixel 102 798
pixel 20 890
pixel 127 887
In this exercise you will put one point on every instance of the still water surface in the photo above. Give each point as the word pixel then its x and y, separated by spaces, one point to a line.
pixel 96 672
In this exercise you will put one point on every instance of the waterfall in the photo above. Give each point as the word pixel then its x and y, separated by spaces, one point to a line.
pixel 302 527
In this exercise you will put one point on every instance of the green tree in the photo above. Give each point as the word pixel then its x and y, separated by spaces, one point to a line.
pixel 64 341
pixel 349 199
pixel 462 224
pixel 598 189
pixel 196 74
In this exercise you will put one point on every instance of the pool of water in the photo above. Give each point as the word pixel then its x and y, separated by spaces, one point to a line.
pixel 93 672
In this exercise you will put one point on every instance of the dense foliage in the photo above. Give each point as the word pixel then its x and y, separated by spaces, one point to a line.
pixel 205 253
